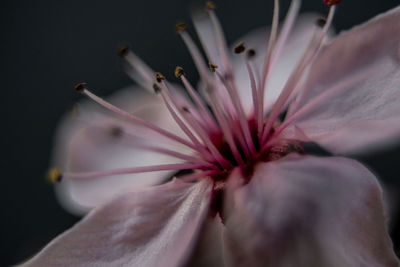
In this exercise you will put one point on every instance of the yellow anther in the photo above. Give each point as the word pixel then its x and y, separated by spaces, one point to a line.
pixel 159 77
pixel 210 6
pixel 179 72
pixel 180 27
pixel 54 175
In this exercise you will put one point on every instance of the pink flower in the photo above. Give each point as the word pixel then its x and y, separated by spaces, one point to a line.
pixel 251 196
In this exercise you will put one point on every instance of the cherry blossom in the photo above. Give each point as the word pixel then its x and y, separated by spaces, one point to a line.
pixel 244 191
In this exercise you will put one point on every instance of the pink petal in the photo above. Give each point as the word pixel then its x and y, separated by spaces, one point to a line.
pixel 153 227
pixel 307 211
pixel 209 248
pixel 85 142
pixel 354 89
pixel 291 53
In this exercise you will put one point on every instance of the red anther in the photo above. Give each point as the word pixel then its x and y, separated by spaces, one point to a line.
pixel 332 2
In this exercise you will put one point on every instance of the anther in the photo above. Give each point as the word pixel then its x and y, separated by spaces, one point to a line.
pixel 54 175
pixel 80 87
pixel 159 77
pixel 116 131
pixel 240 48
pixel 251 53
pixel 123 50
pixel 212 66
pixel 332 2
pixel 210 6
pixel 321 22
pixel 156 88
pixel 180 27
pixel 179 72
pixel 185 109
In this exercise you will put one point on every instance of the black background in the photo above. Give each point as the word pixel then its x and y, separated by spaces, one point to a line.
pixel 47 46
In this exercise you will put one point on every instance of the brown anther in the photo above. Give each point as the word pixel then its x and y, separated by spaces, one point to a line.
pixel 251 53
pixel 179 72
pixel 156 88
pixel 210 6
pixel 74 110
pixel 212 66
pixel 240 48
pixel 116 131
pixel 159 77
pixel 123 50
pixel 80 87
pixel 54 175
pixel 332 2
pixel 180 27
pixel 185 109
pixel 321 22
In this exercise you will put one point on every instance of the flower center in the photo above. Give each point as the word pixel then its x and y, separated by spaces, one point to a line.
pixel 221 135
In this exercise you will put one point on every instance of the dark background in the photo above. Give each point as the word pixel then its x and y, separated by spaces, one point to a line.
pixel 47 46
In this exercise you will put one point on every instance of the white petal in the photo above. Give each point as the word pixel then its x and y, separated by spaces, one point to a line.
pixel 308 211
pixel 354 87
pixel 85 143
pixel 151 227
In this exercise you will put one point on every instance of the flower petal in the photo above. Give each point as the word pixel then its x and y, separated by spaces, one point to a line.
pixel 96 140
pixel 209 248
pixel 151 227
pixel 354 89
pixel 294 47
pixel 308 211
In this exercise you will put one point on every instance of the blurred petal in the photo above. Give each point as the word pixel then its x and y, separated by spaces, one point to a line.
pixel 295 46
pixel 308 211
pixel 153 227
pixel 96 140
pixel 209 250
pixel 351 115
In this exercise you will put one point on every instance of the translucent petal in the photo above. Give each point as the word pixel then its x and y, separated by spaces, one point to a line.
pixel 95 139
pixel 354 89
pixel 307 211
pixel 153 227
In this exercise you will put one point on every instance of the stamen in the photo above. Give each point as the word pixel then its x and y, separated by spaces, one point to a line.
pixel 220 38
pixel 197 57
pixel 159 77
pixel 168 101
pixel 212 66
pixel 54 175
pixel 210 6
pixel 267 66
pixel 206 139
pixel 180 27
pixel 223 122
pixel 116 132
pixel 240 112
pixel 296 76
pixel 140 72
pixel 251 53
pixel 135 119
pixel 179 73
pixel 321 22
pixel 80 87
pixel 191 159
pixel 253 85
pixel 141 169
pixel 240 48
